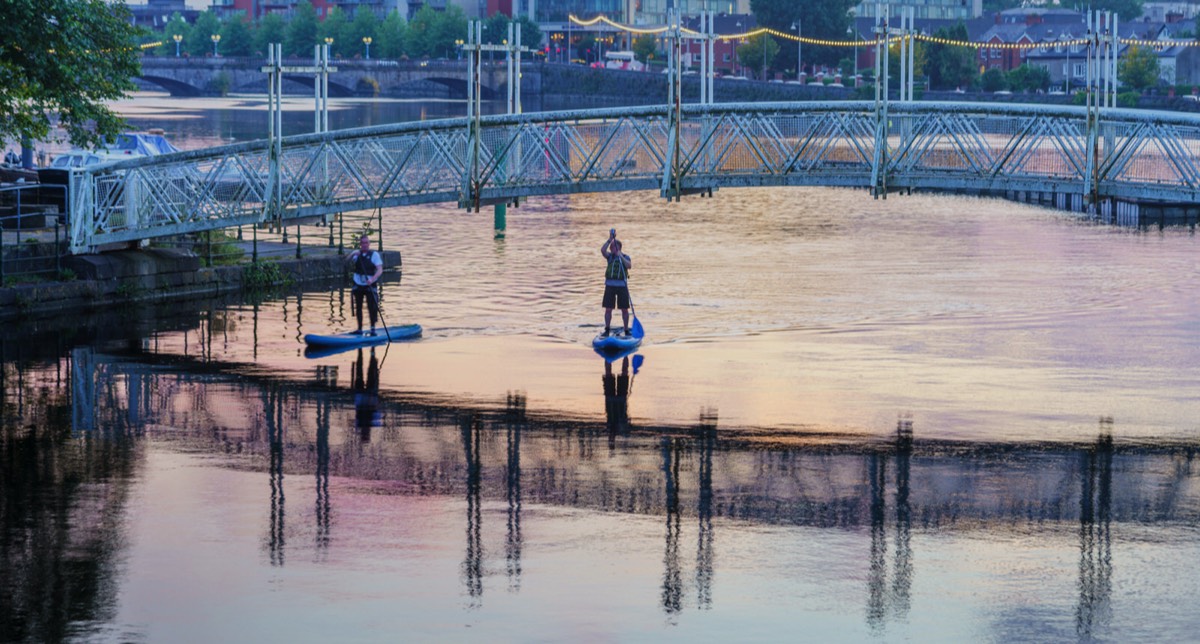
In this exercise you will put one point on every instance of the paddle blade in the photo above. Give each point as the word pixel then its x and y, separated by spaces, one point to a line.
pixel 637 330
pixel 637 362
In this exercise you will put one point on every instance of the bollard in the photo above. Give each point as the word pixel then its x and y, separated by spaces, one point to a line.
pixel 499 216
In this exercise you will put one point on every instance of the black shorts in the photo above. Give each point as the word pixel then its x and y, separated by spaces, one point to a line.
pixel 616 297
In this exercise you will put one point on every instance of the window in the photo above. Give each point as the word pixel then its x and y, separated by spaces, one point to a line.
pixel 725 58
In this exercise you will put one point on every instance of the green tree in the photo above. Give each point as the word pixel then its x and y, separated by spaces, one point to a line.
pixel 585 48
pixel 1027 78
pixel 336 26
pixel 421 31
pixel 271 29
pixel 993 80
pixel 920 61
pixel 1138 68
pixel 236 37
pixel 364 25
pixel 644 47
pixel 531 34
pixel 451 25
pixel 64 59
pixel 495 28
pixel 1126 9
pixel 826 19
pixel 198 41
pixel 301 32
pixel 392 36
pixel 176 25
pixel 757 53
pixel 951 66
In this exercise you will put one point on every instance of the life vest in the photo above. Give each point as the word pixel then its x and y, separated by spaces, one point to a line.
pixel 616 268
pixel 363 265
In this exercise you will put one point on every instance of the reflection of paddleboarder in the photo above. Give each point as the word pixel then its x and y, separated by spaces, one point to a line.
pixel 366 396
pixel 616 397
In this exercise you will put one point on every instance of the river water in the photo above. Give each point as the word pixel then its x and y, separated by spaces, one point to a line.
pixel 924 417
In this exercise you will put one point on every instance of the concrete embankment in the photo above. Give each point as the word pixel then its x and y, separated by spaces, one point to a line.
pixel 157 275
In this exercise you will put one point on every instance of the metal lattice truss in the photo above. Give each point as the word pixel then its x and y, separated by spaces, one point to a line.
pixel 1124 154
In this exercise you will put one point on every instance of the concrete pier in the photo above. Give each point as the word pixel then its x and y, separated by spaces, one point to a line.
pixel 164 274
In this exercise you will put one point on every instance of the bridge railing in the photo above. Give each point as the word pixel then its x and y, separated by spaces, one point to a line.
pixel 938 146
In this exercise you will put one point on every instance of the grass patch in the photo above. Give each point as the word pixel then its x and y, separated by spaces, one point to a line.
pixel 218 248
pixel 262 276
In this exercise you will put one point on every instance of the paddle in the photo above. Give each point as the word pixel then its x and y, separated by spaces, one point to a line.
pixel 379 308
pixel 636 328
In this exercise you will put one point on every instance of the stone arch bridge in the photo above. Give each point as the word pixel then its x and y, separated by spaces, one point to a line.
pixel 201 76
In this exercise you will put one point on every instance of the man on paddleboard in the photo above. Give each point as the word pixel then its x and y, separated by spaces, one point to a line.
pixel 367 266
pixel 616 282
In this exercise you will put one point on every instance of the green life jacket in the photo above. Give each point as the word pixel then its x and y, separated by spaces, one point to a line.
pixel 616 268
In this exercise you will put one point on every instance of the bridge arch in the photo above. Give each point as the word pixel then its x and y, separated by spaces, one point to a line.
pixel 175 87
pixel 1132 155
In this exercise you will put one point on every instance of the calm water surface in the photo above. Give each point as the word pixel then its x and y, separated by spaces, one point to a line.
pixel 920 418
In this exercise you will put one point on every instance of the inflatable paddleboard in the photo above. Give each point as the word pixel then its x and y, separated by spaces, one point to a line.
pixel 619 340
pixel 354 338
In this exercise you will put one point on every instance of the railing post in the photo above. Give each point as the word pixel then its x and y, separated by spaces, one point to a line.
pixel 880 158
pixel 1091 180
pixel 672 168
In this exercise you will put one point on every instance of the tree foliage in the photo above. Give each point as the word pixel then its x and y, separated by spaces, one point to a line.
pixel 826 19
pixel 271 29
pixel 644 47
pixel 236 37
pixel 1126 9
pixel 993 80
pixel 1138 68
pixel 392 36
pixel 301 32
pixel 757 53
pixel 337 27
pixel 1029 78
pixel 950 66
pixel 64 58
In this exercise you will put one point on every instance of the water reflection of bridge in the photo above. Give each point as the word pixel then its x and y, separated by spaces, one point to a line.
pixel 690 476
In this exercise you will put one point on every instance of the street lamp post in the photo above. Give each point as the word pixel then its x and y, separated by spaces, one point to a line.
pixel 329 41
pixel 764 48
pixel 216 38
pixel 178 38
pixel 854 37
pixel 458 46
pixel 799 64
pixel 367 42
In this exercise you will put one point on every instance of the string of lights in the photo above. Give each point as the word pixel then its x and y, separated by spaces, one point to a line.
pixel 1077 42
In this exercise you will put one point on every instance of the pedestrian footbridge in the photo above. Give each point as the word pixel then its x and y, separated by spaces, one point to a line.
pixel 1100 158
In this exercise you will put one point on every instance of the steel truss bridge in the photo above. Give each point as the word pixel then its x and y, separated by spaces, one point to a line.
pixel 1104 156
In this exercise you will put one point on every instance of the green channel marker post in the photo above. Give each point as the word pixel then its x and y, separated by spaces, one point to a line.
pixel 501 211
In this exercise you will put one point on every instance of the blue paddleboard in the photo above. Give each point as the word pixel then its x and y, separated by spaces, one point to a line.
pixel 618 341
pixel 353 338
